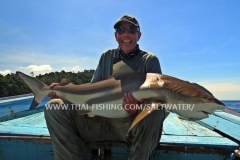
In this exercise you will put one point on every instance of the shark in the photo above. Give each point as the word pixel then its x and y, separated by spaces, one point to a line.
pixel 156 89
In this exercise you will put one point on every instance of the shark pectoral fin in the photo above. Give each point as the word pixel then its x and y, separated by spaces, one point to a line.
pixel 146 111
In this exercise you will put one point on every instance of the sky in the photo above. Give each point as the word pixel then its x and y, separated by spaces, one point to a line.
pixel 195 40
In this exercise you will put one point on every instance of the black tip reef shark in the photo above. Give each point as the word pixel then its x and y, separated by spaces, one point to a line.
pixel 154 88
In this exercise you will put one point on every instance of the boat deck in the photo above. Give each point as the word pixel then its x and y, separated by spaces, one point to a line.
pixel 24 134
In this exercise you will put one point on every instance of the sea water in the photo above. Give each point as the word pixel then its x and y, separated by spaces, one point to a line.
pixel 232 104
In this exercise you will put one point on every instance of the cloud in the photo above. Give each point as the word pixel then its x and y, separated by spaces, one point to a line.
pixel 5 72
pixel 41 68
pixel 37 69
pixel 76 68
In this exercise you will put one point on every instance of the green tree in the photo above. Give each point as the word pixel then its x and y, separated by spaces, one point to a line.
pixel 11 84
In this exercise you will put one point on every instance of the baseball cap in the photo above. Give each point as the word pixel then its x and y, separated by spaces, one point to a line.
pixel 127 18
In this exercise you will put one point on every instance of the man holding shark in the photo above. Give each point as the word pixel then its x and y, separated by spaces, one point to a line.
pixel 68 130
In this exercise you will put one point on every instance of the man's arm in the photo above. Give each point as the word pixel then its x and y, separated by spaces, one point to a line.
pixel 97 76
pixel 152 66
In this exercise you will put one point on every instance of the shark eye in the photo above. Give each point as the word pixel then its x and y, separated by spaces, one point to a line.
pixel 209 100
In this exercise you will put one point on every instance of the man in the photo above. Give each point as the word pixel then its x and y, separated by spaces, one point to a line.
pixel 68 130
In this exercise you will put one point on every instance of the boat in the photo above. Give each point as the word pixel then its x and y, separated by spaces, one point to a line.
pixel 24 135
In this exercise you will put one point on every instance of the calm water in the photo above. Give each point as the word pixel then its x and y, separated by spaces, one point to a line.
pixel 20 103
pixel 232 104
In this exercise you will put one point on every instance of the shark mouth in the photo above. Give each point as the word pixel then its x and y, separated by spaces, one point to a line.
pixel 207 113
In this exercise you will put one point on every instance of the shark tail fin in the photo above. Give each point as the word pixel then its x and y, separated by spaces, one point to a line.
pixel 36 87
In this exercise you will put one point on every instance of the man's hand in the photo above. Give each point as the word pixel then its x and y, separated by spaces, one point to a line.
pixel 52 94
pixel 130 103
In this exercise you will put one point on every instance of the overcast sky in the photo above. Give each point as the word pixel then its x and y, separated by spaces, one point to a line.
pixel 195 40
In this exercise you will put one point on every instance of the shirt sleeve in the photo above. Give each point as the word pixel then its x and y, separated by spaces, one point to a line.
pixel 153 65
pixel 97 76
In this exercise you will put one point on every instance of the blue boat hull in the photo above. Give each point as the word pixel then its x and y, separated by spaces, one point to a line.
pixel 24 135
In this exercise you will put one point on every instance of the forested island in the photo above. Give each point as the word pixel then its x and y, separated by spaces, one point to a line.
pixel 11 84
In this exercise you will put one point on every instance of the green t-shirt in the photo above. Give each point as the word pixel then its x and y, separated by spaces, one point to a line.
pixel 143 62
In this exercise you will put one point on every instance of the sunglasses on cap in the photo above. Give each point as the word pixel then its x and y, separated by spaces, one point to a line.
pixel 129 29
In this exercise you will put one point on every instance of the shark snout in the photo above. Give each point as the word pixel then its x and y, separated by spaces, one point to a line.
pixel 221 107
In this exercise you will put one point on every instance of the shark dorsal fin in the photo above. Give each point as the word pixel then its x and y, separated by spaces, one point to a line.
pixel 185 88
pixel 121 68
pixel 64 82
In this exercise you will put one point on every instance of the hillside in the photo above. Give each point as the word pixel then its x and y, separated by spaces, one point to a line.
pixel 11 84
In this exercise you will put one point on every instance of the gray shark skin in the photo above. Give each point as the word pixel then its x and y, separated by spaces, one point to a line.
pixel 154 88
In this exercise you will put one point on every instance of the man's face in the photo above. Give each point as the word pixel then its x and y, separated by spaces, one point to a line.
pixel 127 41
